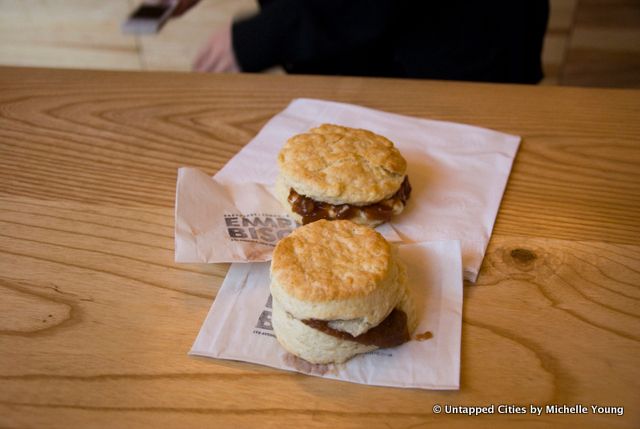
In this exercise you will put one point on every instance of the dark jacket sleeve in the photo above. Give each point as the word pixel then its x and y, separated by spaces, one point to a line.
pixel 491 40
pixel 309 34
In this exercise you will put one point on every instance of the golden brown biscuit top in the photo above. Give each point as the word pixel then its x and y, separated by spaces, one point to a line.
pixel 341 165
pixel 336 260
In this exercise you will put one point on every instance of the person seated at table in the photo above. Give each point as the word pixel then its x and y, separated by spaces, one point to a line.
pixel 491 40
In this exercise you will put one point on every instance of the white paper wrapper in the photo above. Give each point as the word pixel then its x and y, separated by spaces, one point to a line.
pixel 458 174
pixel 238 326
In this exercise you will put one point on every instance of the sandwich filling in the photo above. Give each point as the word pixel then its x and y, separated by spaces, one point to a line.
pixel 311 210
pixel 391 332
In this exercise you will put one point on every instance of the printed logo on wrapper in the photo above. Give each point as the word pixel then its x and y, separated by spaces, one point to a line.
pixel 259 228
pixel 264 326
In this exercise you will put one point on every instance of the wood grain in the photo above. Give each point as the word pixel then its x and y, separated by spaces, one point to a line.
pixel 96 318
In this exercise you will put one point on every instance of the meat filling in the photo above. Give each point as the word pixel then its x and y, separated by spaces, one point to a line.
pixel 391 332
pixel 312 210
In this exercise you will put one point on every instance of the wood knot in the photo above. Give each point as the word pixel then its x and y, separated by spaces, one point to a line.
pixel 523 256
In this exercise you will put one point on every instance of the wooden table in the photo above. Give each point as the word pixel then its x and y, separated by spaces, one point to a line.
pixel 96 319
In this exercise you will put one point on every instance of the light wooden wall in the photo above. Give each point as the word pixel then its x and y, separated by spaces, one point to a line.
pixel 556 40
pixel 86 34
pixel 66 33
pixel 605 45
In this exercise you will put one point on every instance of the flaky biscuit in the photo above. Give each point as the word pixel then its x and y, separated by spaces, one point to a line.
pixel 336 270
pixel 318 347
pixel 326 260
pixel 341 165
pixel 311 344
pixel 344 274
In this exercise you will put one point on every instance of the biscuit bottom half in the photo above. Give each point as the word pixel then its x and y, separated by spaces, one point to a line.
pixel 306 210
pixel 318 342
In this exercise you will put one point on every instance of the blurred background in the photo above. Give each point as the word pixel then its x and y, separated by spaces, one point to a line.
pixel 588 42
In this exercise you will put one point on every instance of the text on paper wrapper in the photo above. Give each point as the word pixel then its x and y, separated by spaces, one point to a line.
pixel 258 227
pixel 264 326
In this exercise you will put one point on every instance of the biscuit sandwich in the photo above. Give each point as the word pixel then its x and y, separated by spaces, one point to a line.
pixel 338 290
pixel 334 172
